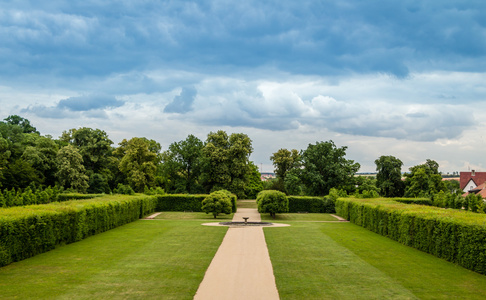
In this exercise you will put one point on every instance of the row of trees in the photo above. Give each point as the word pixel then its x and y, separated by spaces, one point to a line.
pixel 85 160
pixel 323 166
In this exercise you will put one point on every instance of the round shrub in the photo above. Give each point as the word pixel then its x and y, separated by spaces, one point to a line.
pixel 216 203
pixel 272 202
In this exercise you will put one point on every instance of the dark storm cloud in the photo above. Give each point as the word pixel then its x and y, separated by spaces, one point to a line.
pixel 98 38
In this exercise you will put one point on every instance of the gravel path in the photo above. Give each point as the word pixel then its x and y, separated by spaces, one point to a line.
pixel 241 268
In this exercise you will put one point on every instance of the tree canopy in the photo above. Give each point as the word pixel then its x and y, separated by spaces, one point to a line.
pixel 389 176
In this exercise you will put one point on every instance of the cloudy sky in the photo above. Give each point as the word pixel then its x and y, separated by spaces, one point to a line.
pixel 402 78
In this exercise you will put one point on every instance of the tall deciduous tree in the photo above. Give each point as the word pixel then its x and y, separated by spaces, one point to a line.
pixel 182 165
pixel 324 166
pixel 424 180
pixel 226 162
pixel 139 159
pixel 70 169
pixel 389 176
pixel 284 161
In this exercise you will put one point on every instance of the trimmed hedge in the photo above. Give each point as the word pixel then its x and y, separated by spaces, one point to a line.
pixel 180 202
pixel 419 201
pixel 454 235
pixel 310 204
pixel 31 230
pixel 185 202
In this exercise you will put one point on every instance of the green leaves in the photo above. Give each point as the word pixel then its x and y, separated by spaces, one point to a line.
pixel 217 202
pixel 272 202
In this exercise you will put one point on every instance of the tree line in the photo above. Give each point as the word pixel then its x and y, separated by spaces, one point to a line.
pixel 85 160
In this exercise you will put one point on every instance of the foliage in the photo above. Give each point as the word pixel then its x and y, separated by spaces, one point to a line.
pixel 255 184
pixel 30 230
pixel 218 202
pixel 272 202
pixel 139 159
pixel 325 167
pixel 181 166
pixel 366 187
pixel 389 176
pixel 70 169
pixel 424 180
pixel 226 162
pixel 454 235
pixel 180 202
pixel 284 161
pixel 307 204
pixel 124 189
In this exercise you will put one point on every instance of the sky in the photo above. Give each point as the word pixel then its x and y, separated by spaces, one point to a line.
pixel 401 78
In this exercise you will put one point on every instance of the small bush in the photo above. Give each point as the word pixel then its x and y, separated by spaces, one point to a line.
pixel 217 202
pixel 272 202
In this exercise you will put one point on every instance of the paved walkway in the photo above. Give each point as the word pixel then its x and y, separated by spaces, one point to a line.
pixel 241 268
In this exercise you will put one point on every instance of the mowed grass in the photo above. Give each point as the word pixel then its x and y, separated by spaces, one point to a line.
pixel 299 217
pixel 174 215
pixel 345 261
pixel 146 259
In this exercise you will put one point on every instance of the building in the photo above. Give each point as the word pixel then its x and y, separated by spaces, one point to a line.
pixel 473 182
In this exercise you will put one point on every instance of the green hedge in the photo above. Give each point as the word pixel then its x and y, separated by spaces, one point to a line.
pixel 180 202
pixel 420 201
pixel 455 235
pixel 31 230
pixel 310 204
pixel 184 202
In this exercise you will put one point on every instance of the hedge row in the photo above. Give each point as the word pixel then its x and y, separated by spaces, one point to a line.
pixel 455 235
pixel 30 230
pixel 10 198
pixel 419 201
pixel 184 202
pixel 310 204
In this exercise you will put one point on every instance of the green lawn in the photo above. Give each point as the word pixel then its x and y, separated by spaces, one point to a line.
pixel 298 217
pixel 175 215
pixel 147 259
pixel 345 261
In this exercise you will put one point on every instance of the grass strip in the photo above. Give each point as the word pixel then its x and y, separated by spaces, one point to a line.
pixel 142 260
pixel 309 265
pixel 345 261
pixel 175 215
pixel 427 276
pixel 298 217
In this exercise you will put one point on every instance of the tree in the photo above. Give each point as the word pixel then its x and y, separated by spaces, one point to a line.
pixel 182 165
pixel 389 176
pixel 22 123
pixel 216 203
pixel 284 160
pixel 255 184
pixel 424 180
pixel 324 166
pixel 41 153
pixel 70 169
pixel 139 160
pixel 226 162
pixel 272 202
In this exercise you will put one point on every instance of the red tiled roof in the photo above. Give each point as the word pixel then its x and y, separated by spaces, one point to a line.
pixel 478 178
pixel 480 189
